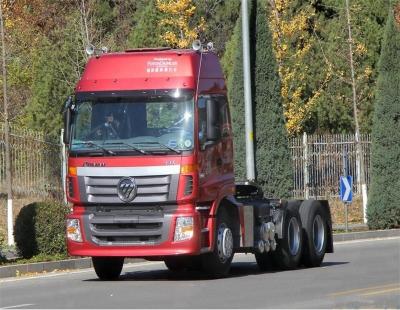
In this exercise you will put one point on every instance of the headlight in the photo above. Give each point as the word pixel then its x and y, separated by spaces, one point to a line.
pixel 74 230
pixel 183 228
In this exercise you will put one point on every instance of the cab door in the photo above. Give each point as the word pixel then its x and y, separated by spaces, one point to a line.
pixel 215 155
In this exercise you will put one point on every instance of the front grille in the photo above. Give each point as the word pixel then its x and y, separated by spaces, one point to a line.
pixel 149 189
pixel 118 240
pixel 125 227
pixel 130 227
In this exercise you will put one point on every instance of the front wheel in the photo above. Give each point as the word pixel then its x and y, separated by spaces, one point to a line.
pixel 108 268
pixel 289 248
pixel 218 262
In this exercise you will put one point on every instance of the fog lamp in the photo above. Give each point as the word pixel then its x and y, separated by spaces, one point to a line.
pixel 183 228
pixel 74 230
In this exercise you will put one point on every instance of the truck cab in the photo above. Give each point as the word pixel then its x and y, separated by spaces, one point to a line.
pixel 150 166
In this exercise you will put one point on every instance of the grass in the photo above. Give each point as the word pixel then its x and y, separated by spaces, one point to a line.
pixel 35 259
pixel 355 211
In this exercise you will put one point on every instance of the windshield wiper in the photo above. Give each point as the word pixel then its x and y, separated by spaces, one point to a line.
pixel 130 145
pixel 161 144
pixel 91 143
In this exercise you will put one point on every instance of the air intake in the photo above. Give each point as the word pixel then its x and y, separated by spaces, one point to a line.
pixel 188 185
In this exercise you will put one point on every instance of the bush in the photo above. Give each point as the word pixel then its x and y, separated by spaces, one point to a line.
pixel 40 229
pixel 3 237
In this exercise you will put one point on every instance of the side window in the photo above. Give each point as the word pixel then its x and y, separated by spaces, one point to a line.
pixel 83 121
pixel 202 108
pixel 224 117
pixel 222 121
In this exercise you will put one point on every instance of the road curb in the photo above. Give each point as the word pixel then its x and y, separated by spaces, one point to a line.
pixel 68 264
pixel 83 263
pixel 366 235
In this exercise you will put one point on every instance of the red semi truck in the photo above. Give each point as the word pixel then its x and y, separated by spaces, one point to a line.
pixel 150 172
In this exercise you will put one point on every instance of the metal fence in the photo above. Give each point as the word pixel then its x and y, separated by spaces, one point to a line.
pixel 36 164
pixel 318 162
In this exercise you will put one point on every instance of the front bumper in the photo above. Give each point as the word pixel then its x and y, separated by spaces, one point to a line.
pixel 131 242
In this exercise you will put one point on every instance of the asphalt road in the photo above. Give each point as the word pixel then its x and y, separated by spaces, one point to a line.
pixel 360 274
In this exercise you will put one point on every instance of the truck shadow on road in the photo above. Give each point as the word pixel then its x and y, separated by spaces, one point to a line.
pixel 238 270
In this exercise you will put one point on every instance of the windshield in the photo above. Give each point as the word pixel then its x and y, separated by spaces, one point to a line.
pixel 140 124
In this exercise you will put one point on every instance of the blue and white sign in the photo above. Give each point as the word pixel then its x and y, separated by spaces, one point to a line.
pixel 346 185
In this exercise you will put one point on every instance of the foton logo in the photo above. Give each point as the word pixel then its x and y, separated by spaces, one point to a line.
pixel 88 164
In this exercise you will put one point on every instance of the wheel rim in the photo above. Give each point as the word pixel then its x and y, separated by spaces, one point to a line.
pixel 318 233
pixel 224 243
pixel 294 236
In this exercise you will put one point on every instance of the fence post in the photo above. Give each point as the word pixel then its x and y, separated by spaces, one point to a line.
pixel 305 167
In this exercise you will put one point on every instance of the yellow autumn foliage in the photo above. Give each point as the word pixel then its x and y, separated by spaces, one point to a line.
pixel 288 28
pixel 178 13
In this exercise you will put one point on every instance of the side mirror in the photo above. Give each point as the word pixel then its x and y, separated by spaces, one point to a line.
pixel 67 116
pixel 213 130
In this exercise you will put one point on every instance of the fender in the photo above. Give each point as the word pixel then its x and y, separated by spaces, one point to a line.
pixel 227 190
pixel 279 217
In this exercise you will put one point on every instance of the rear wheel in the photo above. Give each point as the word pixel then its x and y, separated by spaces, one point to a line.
pixel 315 233
pixel 289 248
pixel 108 268
pixel 218 262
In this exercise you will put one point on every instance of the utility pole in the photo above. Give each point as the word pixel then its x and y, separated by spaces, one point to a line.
pixel 359 161
pixel 10 230
pixel 250 168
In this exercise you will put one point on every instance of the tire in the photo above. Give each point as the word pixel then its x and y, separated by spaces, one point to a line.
pixel 108 268
pixel 288 251
pixel 264 261
pixel 218 262
pixel 315 233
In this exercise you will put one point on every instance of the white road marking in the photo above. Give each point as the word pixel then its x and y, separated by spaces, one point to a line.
pixel 18 306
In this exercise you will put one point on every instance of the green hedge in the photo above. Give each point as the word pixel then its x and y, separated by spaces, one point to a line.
pixel 40 229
